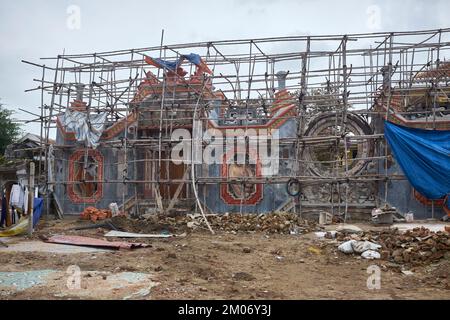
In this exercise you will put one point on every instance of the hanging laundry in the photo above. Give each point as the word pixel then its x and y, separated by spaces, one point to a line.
pixel 17 196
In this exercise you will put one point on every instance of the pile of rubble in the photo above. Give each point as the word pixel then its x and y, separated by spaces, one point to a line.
pixel 152 224
pixel 415 247
pixel 282 223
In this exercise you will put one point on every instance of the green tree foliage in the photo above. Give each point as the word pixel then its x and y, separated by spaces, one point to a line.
pixel 9 130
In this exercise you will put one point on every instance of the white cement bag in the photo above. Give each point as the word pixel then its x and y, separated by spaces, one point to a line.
pixel 370 254
pixel 361 246
pixel 347 247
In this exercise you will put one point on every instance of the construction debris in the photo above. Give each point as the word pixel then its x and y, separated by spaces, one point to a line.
pixel 94 214
pixel 435 227
pixel 383 215
pixel 325 218
pixel 282 223
pixel 417 246
pixel 409 217
pixel 327 235
pixel 407 272
pixel 320 234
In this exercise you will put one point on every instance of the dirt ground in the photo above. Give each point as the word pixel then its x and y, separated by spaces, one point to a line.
pixel 222 266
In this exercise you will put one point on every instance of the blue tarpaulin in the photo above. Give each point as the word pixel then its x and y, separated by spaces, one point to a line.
pixel 173 65
pixel 160 63
pixel 424 156
pixel 197 60
pixel 193 58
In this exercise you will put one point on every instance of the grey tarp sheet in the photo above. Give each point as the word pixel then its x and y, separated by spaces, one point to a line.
pixel 87 128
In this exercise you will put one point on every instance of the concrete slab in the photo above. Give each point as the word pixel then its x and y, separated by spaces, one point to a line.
pixel 91 284
pixel 107 285
pixel 22 280
pixel 40 246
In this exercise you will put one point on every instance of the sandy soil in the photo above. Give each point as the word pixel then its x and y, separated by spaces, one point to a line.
pixel 224 266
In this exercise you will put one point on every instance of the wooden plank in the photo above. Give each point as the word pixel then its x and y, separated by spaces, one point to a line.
pixel 59 211
pixel 159 200
pixel 178 191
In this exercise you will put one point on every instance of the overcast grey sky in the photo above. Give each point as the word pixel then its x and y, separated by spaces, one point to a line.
pixel 30 29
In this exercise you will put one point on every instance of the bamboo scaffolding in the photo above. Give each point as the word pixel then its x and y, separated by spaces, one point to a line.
pixel 355 75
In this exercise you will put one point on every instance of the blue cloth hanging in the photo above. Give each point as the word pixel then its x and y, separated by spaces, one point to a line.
pixel 37 210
